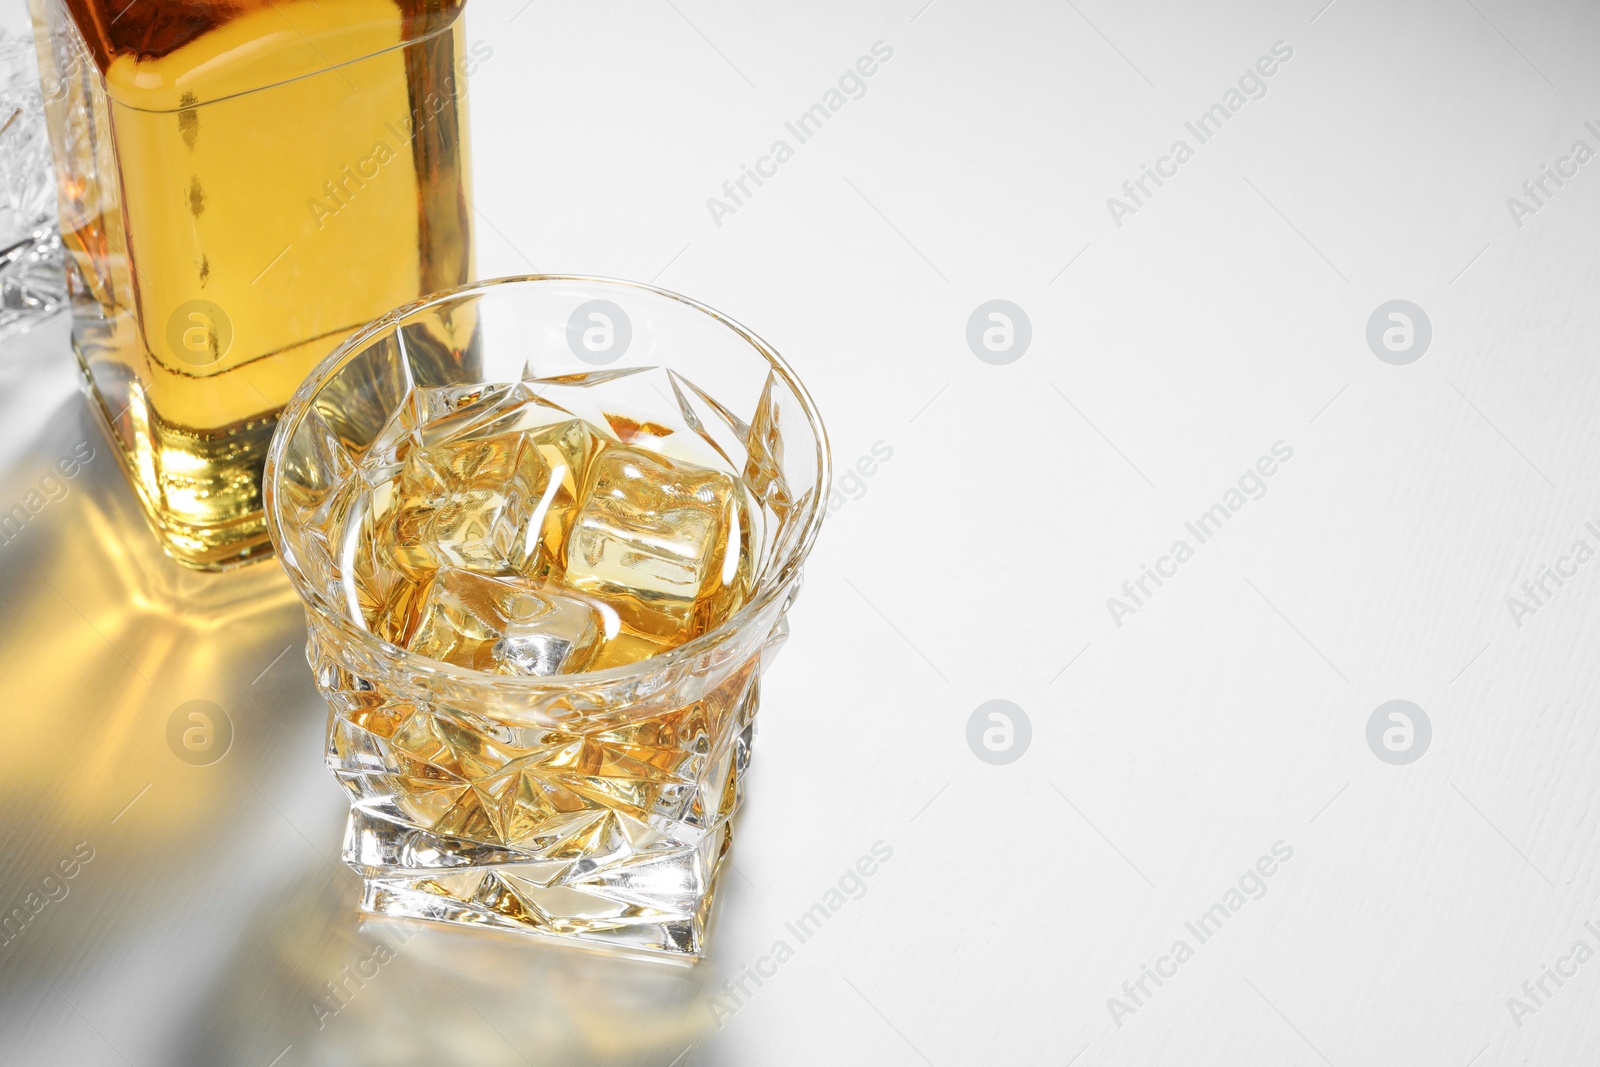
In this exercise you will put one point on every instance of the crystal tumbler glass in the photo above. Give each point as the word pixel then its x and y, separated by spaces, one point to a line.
pixel 490 786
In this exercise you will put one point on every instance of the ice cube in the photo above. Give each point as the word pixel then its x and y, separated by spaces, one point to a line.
pixel 508 625
pixel 553 467
pixel 664 543
pixel 497 505
pixel 534 652
pixel 448 500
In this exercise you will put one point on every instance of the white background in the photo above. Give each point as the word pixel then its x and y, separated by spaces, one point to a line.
pixel 1167 754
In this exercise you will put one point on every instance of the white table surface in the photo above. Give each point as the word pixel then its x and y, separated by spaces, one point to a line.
pixel 1169 753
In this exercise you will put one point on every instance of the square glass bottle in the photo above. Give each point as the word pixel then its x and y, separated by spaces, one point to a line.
pixel 241 185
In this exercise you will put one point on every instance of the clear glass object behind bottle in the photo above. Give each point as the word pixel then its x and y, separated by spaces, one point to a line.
pixel 241 185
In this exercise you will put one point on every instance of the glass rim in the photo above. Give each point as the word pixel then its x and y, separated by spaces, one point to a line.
pixel 329 614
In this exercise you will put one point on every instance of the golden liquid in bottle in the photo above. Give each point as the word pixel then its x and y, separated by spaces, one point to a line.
pixel 242 184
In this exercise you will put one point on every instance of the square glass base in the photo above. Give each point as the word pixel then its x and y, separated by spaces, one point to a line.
pixel 659 907
pixel 610 833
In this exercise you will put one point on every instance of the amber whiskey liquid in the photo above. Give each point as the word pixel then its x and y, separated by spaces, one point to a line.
pixel 242 184
pixel 491 529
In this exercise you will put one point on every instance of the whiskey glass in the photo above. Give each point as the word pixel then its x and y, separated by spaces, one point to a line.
pixel 593 807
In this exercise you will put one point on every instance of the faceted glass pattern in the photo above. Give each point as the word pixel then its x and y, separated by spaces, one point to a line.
pixel 540 594
pixel 32 284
